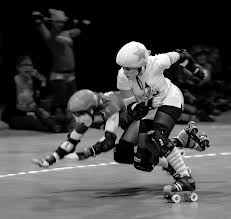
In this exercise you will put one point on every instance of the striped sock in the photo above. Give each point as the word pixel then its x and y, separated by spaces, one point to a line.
pixel 176 161
pixel 162 162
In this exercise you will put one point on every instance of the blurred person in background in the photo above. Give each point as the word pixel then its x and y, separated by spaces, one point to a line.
pixel 213 91
pixel 23 109
pixel 58 31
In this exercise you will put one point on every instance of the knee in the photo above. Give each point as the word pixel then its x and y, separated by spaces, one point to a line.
pixel 159 139
pixel 141 160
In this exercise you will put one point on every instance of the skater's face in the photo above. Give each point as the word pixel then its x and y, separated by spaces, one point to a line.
pixel 83 118
pixel 131 73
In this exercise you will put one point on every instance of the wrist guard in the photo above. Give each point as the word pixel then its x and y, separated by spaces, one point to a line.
pixel 137 111
pixel 192 66
pixel 107 144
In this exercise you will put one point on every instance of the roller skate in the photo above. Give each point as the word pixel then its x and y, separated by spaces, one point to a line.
pixel 183 188
pixel 188 138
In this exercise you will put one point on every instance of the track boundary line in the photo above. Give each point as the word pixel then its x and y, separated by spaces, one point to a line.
pixel 97 165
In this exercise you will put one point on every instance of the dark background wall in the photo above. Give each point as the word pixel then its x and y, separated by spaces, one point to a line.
pixel 160 27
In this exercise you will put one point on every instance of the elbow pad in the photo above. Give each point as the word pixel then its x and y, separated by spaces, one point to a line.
pixel 137 111
pixel 107 144
pixel 71 140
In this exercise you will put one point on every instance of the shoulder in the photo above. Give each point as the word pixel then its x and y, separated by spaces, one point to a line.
pixel 159 60
pixel 122 81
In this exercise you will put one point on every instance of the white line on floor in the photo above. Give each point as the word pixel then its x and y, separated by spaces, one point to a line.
pixel 97 165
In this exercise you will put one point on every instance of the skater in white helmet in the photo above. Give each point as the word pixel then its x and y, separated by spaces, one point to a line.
pixel 154 100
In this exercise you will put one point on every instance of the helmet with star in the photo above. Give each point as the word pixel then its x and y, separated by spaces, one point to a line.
pixel 132 55
pixel 82 101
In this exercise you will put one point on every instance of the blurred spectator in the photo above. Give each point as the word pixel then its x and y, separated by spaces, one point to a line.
pixel 23 110
pixel 214 88
pixel 58 32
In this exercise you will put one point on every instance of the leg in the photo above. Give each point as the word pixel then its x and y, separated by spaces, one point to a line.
pixel 188 138
pixel 24 122
pixel 124 150
pixel 146 155
pixel 59 91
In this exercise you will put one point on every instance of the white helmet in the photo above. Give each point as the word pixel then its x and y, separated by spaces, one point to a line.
pixel 132 55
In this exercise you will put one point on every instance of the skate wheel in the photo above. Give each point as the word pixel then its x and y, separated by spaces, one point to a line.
pixel 193 197
pixel 189 170
pixel 176 198
pixel 182 153
pixel 192 128
pixel 205 143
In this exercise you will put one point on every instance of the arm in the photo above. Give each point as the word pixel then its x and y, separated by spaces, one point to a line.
pixel 39 21
pixel 66 147
pixel 136 110
pixel 104 144
pixel 74 32
pixel 190 64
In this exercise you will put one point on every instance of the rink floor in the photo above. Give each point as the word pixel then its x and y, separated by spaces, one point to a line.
pixel 99 188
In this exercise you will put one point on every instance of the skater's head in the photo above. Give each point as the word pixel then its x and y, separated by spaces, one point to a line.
pixel 82 105
pixel 132 57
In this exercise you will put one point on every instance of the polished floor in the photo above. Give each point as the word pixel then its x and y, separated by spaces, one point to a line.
pixel 99 188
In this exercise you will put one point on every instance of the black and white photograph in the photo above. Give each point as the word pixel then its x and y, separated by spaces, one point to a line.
pixel 115 110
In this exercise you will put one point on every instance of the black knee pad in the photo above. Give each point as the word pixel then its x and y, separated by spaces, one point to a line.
pixel 124 152
pixel 154 148
pixel 141 160
pixel 159 138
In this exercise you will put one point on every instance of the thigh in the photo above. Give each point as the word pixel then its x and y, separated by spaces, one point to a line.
pixel 166 117
pixel 132 132
pixel 59 90
pixel 70 89
pixel 27 123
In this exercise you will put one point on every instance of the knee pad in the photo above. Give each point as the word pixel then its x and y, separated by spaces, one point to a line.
pixel 159 139
pixel 124 152
pixel 141 160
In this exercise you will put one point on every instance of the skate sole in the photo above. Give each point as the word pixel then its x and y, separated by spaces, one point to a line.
pixel 177 197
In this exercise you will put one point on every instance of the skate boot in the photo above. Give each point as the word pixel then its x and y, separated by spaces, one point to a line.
pixel 45 163
pixel 183 188
pixel 188 138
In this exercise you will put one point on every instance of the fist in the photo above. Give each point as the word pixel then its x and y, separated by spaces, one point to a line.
pixel 199 72
pixel 37 16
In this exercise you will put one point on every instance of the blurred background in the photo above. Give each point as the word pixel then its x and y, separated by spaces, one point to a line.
pixel 201 29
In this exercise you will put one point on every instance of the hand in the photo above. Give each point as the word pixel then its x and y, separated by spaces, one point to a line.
pixel 155 102
pixel 86 22
pixel 199 72
pixel 38 17
pixel 184 55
